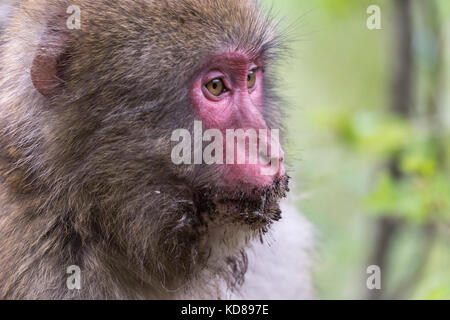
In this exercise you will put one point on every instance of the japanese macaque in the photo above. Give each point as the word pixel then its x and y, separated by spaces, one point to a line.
pixel 87 177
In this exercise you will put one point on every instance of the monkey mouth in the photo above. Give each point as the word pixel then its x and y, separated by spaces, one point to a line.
pixel 257 208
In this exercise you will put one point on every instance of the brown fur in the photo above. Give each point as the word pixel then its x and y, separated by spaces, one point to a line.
pixel 85 174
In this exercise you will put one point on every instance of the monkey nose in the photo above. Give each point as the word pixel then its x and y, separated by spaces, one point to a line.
pixel 276 164
pixel 271 160
pixel 269 167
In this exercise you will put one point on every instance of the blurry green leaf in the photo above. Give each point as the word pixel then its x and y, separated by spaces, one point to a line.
pixel 339 7
pixel 366 131
pixel 420 158
pixel 439 293
pixel 383 198
pixel 418 163
pixel 416 199
pixel 377 134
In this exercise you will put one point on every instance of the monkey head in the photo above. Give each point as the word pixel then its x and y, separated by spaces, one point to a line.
pixel 101 105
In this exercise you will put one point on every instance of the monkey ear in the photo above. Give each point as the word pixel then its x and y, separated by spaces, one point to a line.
pixel 47 65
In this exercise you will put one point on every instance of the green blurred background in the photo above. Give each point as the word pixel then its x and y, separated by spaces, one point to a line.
pixel 369 142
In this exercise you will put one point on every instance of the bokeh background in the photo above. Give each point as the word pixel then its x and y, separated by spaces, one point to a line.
pixel 368 141
pixel 368 123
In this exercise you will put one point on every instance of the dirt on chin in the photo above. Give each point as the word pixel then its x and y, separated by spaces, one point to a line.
pixel 257 208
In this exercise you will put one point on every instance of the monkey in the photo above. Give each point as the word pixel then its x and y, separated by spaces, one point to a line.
pixel 87 177
pixel 4 10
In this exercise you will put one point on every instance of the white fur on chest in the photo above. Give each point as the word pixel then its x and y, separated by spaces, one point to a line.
pixel 278 268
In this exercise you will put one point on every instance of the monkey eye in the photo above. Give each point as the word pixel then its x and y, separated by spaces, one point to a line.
pixel 216 87
pixel 251 79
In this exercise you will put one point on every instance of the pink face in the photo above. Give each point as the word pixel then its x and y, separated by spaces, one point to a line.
pixel 228 94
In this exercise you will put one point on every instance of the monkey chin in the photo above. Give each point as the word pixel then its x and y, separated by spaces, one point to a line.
pixel 256 208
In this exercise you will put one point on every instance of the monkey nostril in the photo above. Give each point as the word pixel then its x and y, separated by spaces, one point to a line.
pixel 264 158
